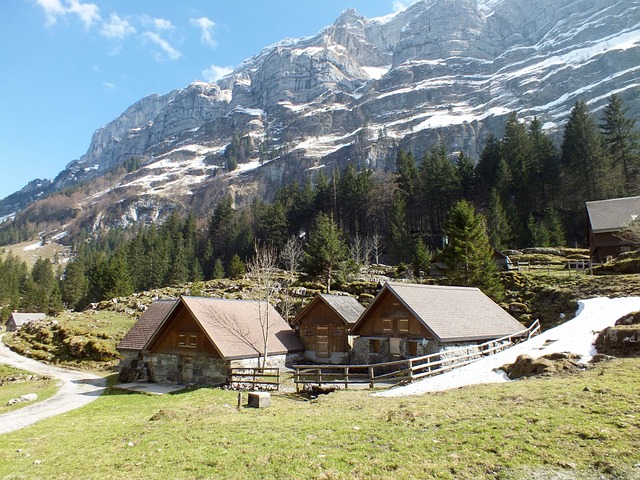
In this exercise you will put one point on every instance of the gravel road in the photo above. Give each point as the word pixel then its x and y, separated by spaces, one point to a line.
pixel 77 389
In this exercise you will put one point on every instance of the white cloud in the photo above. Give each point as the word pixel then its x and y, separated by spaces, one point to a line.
pixel 206 27
pixel 171 52
pixel 214 72
pixel 87 12
pixel 117 28
pixel 157 24
pixel 109 86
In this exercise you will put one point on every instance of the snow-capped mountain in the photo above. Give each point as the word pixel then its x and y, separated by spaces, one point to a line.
pixel 356 92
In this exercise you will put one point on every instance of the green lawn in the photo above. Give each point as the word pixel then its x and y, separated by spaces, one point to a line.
pixel 525 429
pixel 15 382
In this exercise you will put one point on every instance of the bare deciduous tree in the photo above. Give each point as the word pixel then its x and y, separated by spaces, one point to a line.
pixel 262 269
pixel 291 257
pixel 377 246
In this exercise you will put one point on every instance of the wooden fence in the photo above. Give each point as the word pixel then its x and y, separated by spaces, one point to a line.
pixel 254 378
pixel 407 370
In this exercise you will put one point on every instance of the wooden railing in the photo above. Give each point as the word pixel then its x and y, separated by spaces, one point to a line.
pixel 254 378
pixel 407 370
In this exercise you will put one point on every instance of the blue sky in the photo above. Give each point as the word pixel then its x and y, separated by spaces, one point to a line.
pixel 71 66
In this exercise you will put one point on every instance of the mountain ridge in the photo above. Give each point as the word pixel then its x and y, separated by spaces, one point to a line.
pixel 354 93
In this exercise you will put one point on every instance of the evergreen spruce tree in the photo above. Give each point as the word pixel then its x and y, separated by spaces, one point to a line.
pixel 621 143
pixel 117 281
pixel 468 257
pixel 326 252
pixel 218 269
pixel 74 285
pixel 585 172
pixel 421 260
pixel 399 237
pixel 498 223
pixel 236 267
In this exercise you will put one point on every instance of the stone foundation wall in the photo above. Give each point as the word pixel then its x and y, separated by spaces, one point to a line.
pixel 169 368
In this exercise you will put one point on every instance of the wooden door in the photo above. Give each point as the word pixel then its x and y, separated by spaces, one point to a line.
pixel 187 369
pixel 322 341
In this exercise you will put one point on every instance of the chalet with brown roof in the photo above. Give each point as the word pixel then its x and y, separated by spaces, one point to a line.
pixel 17 320
pixel 196 340
pixel 608 219
pixel 324 325
pixel 411 320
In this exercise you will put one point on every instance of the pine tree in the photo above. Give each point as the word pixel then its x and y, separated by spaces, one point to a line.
pixel 421 259
pixel 236 267
pixel 218 269
pixel 621 143
pixel 586 176
pixel 498 223
pixel 74 285
pixel 326 252
pixel 468 257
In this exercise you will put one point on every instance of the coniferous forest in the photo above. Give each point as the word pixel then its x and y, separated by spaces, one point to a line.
pixel 523 190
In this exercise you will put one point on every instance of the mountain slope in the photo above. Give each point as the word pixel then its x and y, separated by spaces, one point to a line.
pixel 355 92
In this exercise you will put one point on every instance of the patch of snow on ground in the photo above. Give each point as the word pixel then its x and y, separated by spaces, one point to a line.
pixel 377 72
pixel 575 336
pixel 33 246
pixel 11 216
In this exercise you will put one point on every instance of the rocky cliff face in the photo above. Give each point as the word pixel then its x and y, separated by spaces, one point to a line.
pixel 360 89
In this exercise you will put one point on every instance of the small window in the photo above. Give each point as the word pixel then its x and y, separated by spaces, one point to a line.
pixel 387 325
pixel 374 345
pixel 308 330
pixel 403 325
pixel 337 331
pixel 187 340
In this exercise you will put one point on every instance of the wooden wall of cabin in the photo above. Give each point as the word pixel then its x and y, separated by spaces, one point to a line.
pixel 183 336
pixel 390 318
pixel 322 321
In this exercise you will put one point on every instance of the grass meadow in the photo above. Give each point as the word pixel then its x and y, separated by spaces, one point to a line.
pixel 585 425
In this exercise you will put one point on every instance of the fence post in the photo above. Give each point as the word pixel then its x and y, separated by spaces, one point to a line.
pixel 346 377
pixel 371 376
pixel 410 370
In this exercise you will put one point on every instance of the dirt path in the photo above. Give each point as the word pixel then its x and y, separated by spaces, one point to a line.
pixel 77 389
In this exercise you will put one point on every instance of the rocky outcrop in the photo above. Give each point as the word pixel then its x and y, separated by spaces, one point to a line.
pixel 622 339
pixel 361 88
pixel 526 366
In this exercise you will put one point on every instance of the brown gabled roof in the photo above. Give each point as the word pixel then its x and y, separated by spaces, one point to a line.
pixel 614 214
pixel 146 325
pixel 233 327
pixel 451 314
pixel 346 307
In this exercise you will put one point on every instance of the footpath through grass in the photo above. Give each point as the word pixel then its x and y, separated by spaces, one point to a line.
pixel 526 429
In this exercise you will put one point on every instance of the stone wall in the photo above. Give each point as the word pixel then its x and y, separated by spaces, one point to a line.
pixel 170 368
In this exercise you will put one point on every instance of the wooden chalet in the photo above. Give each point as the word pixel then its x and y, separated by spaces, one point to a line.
pixel 411 320
pixel 324 326
pixel 17 320
pixel 194 340
pixel 607 221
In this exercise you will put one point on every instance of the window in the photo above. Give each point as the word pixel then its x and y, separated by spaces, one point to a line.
pixel 387 326
pixel 374 345
pixel 307 331
pixel 187 340
pixel 403 325
pixel 337 331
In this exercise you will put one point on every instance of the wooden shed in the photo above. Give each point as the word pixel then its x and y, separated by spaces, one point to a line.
pixel 324 325
pixel 196 340
pixel 608 220
pixel 16 320
pixel 409 320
